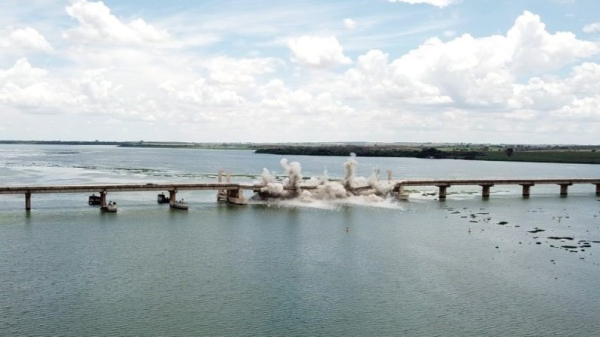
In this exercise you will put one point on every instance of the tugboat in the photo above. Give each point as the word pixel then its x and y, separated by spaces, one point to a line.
pixel 180 205
pixel 110 208
pixel 163 199
pixel 94 200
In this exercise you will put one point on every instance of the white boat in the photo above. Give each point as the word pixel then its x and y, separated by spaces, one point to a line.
pixel 111 207
pixel 180 205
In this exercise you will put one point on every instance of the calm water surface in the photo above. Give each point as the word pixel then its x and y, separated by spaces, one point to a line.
pixel 409 268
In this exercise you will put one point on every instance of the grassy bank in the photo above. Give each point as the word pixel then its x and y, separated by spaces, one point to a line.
pixel 573 157
pixel 546 156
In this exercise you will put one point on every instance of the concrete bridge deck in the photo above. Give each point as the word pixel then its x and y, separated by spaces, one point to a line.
pixel 233 190
pixel 486 184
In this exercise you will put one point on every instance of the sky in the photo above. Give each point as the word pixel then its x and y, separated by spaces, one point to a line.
pixel 479 71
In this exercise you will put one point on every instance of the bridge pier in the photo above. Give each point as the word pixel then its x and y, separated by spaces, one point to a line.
pixel 526 189
pixel 236 197
pixel 597 189
pixel 389 174
pixel 28 201
pixel 172 196
pixel 485 191
pixel 564 189
pixel 442 191
pixel 221 194
pixel 103 198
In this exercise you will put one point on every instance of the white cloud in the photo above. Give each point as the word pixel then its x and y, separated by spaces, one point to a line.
pixel 96 23
pixel 350 24
pixel 25 87
pixel 437 3
pixel 449 33
pixel 592 28
pixel 203 93
pixel 472 73
pixel 517 81
pixel 536 50
pixel 319 52
pixel 228 70
pixel 24 39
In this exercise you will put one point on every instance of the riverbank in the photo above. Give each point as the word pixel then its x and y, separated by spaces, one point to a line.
pixel 567 155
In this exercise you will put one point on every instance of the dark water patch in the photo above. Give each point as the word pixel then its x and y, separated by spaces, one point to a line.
pixel 502 223
pixel 65 152
pixel 536 230
pixel 560 237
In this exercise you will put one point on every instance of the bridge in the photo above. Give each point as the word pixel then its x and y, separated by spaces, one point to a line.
pixel 232 192
pixel 487 184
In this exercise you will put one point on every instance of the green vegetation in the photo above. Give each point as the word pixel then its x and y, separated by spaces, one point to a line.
pixel 370 151
pixel 570 154
pixel 551 156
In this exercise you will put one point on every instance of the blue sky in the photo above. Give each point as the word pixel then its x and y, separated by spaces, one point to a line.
pixel 273 71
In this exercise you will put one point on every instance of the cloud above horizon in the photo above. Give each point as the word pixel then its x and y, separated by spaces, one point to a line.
pixel 129 76
pixel 437 3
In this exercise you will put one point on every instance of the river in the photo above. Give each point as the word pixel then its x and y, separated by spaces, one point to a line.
pixel 463 267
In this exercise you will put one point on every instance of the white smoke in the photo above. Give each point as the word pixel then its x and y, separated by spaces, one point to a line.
pixel 293 171
pixel 350 167
pixel 318 190
pixel 316 181
pixel 266 177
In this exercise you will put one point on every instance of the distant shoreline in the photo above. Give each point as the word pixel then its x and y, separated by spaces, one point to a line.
pixel 566 154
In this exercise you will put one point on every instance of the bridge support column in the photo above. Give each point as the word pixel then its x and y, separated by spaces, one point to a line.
pixel 221 194
pixel 564 189
pixel 103 199
pixel 485 191
pixel 236 197
pixel 442 191
pixel 28 201
pixel 597 189
pixel 172 196
pixel 389 173
pixel 526 189
pixel 399 190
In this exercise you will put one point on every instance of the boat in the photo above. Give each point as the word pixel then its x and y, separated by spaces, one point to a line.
pixel 163 199
pixel 180 205
pixel 110 208
pixel 94 200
